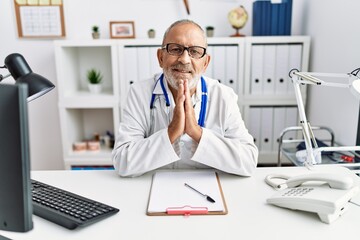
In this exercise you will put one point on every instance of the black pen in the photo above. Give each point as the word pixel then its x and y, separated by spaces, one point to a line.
pixel 206 196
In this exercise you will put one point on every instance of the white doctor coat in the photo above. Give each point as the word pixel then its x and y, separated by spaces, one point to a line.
pixel 143 143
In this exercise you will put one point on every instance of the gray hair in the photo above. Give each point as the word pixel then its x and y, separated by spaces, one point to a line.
pixel 184 21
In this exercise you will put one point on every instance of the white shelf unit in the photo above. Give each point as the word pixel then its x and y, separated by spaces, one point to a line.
pixel 83 114
pixel 123 62
pixel 268 97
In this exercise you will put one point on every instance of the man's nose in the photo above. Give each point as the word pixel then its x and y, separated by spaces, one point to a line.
pixel 185 58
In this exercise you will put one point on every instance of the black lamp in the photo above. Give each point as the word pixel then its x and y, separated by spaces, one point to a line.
pixel 22 73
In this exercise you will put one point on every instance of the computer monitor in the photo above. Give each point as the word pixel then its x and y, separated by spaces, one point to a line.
pixel 15 187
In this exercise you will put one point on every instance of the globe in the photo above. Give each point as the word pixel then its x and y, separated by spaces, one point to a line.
pixel 238 18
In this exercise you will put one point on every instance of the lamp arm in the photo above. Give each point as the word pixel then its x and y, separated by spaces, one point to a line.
pixel 306 128
pixel 2 77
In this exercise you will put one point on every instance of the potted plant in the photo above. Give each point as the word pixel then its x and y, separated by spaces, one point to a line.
pixel 94 78
pixel 95 32
pixel 151 33
pixel 210 31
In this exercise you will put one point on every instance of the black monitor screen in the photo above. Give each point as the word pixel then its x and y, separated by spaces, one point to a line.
pixel 15 192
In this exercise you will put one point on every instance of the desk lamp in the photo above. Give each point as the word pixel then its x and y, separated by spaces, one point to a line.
pixel 313 155
pixel 15 189
pixel 22 73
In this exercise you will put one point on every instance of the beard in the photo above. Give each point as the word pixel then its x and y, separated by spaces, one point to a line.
pixel 174 80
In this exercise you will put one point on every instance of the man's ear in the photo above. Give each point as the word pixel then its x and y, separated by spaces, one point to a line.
pixel 160 57
pixel 206 62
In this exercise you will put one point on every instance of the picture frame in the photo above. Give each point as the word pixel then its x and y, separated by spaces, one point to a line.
pixel 124 29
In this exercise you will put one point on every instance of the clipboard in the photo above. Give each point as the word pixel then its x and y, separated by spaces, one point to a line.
pixel 169 195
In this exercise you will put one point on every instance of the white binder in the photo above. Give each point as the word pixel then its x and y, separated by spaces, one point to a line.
pixel 154 63
pixel 256 69
pixel 282 69
pixel 143 59
pixel 231 67
pixel 291 120
pixel 209 70
pixel 255 125
pixel 131 67
pixel 269 69
pixel 219 63
pixel 266 129
pixel 295 58
pixel 279 125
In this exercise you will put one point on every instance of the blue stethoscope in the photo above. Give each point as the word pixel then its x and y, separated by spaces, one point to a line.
pixel 204 98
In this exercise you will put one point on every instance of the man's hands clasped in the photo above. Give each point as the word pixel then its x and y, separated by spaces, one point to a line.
pixel 184 120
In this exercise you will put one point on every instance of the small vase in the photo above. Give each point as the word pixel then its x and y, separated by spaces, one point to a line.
pixel 151 34
pixel 210 33
pixel 95 88
pixel 96 35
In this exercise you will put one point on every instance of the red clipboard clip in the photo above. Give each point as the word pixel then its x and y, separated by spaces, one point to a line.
pixel 186 210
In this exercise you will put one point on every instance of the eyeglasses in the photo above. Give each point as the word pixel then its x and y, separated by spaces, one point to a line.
pixel 177 50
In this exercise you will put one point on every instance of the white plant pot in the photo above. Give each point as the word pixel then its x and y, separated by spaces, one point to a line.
pixel 95 88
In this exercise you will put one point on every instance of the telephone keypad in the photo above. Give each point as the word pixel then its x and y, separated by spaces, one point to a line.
pixel 296 192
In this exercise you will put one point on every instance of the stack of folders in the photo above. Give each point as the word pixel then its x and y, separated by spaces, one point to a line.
pixel 272 17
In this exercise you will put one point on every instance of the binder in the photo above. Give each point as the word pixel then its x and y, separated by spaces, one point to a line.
pixel 131 66
pixel 256 69
pixel 209 69
pixel 266 129
pixel 170 196
pixel 279 126
pixel 295 58
pixel 255 125
pixel 257 18
pixel 269 69
pixel 231 67
pixel 282 70
pixel 219 63
pixel 143 59
pixel 288 17
pixel 154 63
pixel 274 30
pixel 291 119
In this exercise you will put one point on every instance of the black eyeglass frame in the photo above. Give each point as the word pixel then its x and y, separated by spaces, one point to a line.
pixel 166 47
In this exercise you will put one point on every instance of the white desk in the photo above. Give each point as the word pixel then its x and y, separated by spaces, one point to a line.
pixel 249 216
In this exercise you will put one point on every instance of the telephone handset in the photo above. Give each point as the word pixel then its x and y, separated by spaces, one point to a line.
pixel 326 194
pixel 334 180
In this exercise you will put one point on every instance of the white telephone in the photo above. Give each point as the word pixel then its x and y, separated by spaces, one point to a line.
pixel 323 193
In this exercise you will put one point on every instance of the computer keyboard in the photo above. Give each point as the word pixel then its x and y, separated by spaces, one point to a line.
pixel 65 208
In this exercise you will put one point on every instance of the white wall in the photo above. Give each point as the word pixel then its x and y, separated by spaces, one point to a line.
pixel 80 15
pixel 334 28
